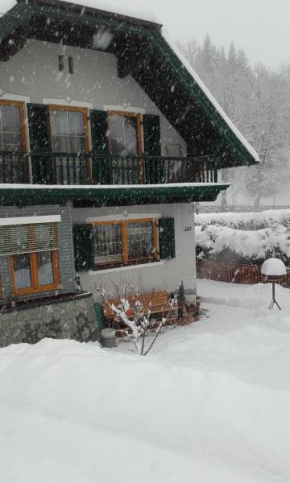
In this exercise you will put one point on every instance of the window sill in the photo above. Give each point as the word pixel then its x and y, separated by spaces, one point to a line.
pixel 40 290
pixel 127 267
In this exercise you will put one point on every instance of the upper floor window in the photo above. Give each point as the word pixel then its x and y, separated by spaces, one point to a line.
pixel 125 146
pixel 12 142
pixel 69 132
pixel 70 142
pixel 12 136
pixel 125 133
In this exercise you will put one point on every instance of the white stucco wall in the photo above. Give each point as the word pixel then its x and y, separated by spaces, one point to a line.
pixel 33 75
pixel 163 275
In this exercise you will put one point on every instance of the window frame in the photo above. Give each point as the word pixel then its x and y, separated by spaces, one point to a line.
pixel 84 111
pixel 22 117
pixel 138 117
pixel 35 287
pixel 125 250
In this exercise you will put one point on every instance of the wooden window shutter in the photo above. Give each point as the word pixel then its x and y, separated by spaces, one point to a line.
pixel 152 147
pixel 83 247
pixel 99 133
pixel 166 238
pixel 40 143
pixel 151 132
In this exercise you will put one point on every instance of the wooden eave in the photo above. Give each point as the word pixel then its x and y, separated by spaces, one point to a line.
pixel 27 195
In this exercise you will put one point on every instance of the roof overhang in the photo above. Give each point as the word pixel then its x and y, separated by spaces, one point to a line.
pixel 127 195
pixel 75 7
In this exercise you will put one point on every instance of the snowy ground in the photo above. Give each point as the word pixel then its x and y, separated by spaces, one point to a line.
pixel 210 404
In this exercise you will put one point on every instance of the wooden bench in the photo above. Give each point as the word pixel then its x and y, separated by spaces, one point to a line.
pixel 157 302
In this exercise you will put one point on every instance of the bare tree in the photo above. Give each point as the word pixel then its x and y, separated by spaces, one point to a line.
pixel 136 316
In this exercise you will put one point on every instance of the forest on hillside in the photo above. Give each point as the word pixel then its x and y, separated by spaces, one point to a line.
pixel 257 100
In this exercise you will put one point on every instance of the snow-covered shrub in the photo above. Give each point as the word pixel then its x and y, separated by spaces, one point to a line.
pixel 227 237
pixel 245 221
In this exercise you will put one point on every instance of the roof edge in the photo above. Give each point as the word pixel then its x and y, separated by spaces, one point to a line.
pixel 97 195
pixel 210 98
pixel 93 12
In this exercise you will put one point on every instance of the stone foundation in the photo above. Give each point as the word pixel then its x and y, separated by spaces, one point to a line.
pixel 67 317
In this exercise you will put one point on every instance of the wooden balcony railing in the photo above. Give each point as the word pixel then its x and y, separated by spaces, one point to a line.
pixel 89 168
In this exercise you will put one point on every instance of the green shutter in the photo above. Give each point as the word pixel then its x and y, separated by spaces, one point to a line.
pixel 152 147
pixel 40 143
pixel 83 247
pixel 151 131
pixel 99 132
pixel 166 238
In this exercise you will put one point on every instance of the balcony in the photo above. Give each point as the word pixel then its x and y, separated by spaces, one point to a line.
pixel 92 169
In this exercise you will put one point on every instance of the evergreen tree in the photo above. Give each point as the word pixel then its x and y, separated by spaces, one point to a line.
pixel 258 102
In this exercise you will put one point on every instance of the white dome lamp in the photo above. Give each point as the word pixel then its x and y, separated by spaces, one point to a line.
pixel 274 271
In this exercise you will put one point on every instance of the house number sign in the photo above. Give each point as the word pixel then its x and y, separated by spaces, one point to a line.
pixel 188 228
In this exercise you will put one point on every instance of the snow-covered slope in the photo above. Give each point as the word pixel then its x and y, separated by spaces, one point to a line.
pixel 209 404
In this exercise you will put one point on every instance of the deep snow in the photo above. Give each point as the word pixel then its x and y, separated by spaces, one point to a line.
pixel 209 404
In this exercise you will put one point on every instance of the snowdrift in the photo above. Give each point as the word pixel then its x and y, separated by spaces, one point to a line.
pixel 73 412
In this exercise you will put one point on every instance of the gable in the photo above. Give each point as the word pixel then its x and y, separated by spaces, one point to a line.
pixel 142 50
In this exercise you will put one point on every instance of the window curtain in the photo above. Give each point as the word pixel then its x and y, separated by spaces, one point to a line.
pixel 68 137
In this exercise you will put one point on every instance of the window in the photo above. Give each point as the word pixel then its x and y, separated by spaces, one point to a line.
pixel 68 129
pixel 12 134
pixel 125 145
pixel 124 134
pixel 71 68
pixel 124 242
pixel 33 257
pixel 69 139
pixel 61 62
pixel 12 140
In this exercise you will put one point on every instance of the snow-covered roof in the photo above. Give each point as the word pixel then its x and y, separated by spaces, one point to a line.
pixel 130 8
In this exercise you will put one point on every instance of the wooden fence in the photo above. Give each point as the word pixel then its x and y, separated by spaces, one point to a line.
pixel 232 272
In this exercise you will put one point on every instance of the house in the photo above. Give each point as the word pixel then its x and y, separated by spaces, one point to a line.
pixel 107 139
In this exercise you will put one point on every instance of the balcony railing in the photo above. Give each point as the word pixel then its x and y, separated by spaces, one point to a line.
pixel 13 167
pixel 89 168
pixel 144 169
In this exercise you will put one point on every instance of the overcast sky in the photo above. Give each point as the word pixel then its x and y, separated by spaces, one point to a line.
pixel 260 27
